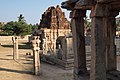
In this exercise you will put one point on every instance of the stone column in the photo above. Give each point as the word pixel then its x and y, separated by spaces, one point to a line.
pixel 111 63
pixel 15 48
pixel 78 43
pixel 99 41
pixel 36 51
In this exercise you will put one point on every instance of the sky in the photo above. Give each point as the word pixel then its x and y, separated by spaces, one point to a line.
pixel 30 9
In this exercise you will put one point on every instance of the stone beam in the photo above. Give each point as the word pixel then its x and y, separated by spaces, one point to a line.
pixel 104 1
pixel 87 4
pixel 84 4
pixel 116 5
pixel 72 1
pixel 66 5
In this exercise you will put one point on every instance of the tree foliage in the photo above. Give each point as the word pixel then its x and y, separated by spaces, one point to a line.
pixel 17 28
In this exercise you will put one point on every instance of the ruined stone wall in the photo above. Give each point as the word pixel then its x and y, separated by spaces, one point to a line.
pixel 54 18
pixel 50 37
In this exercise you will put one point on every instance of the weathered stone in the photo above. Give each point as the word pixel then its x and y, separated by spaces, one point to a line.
pixel 76 14
pixel 36 51
pixel 54 18
pixel 15 48
pixel 103 9
pixel 104 1
pixel 85 2
pixel 79 43
pixel 98 46
pixel 111 51
pixel 49 40
pixel 98 69
pixel 103 57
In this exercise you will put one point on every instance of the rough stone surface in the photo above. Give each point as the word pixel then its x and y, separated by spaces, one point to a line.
pixel 15 48
pixel 54 18
pixel 36 51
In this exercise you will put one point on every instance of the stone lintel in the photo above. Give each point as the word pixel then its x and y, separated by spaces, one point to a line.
pixel 66 5
pixel 72 1
pixel 114 13
pixel 82 3
pixel 104 1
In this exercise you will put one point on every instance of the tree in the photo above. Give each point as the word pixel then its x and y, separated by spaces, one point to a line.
pixel 21 18
pixel 17 28
pixel 8 28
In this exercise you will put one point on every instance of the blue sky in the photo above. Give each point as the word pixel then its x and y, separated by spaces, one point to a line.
pixel 31 9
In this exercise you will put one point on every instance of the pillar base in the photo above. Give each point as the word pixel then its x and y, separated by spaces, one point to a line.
pixel 82 76
pixel 113 75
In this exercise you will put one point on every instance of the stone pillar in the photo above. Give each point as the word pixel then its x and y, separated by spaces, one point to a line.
pixel 99 41
pixel 15 48
pixel 36 51
pixel 78 43
pixel 111 63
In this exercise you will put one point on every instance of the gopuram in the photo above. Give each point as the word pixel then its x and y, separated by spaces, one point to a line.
pixel 103 52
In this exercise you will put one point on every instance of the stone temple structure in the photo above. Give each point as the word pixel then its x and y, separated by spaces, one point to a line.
pixel 54 25
pixel 103 30
pixel 54 18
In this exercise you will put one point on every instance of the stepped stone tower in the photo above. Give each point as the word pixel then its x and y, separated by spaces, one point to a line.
pixel 54 18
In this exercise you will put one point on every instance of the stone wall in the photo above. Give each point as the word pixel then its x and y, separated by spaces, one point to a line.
pixel 9 38
pixel 50 37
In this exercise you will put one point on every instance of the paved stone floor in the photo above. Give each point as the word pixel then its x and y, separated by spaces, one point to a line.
pixel 22 69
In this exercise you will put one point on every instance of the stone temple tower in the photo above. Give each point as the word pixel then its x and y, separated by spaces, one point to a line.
pixel 54 18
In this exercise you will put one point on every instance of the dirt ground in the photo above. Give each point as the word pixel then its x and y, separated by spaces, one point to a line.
pixel 22 69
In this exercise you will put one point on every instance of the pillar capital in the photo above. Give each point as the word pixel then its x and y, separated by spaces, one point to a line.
pixel 77 13
pixel 101 10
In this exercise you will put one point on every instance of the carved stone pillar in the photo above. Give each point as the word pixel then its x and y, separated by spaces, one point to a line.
pixel 111 51
pixel 100 31
pixel 111 63
pixel 15 48
pixel 36 51
pixel 78 43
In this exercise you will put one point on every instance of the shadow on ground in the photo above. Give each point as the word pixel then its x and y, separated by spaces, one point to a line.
pixel 16 71
pixel 21 46
pixel 10 46
pixel 5 59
